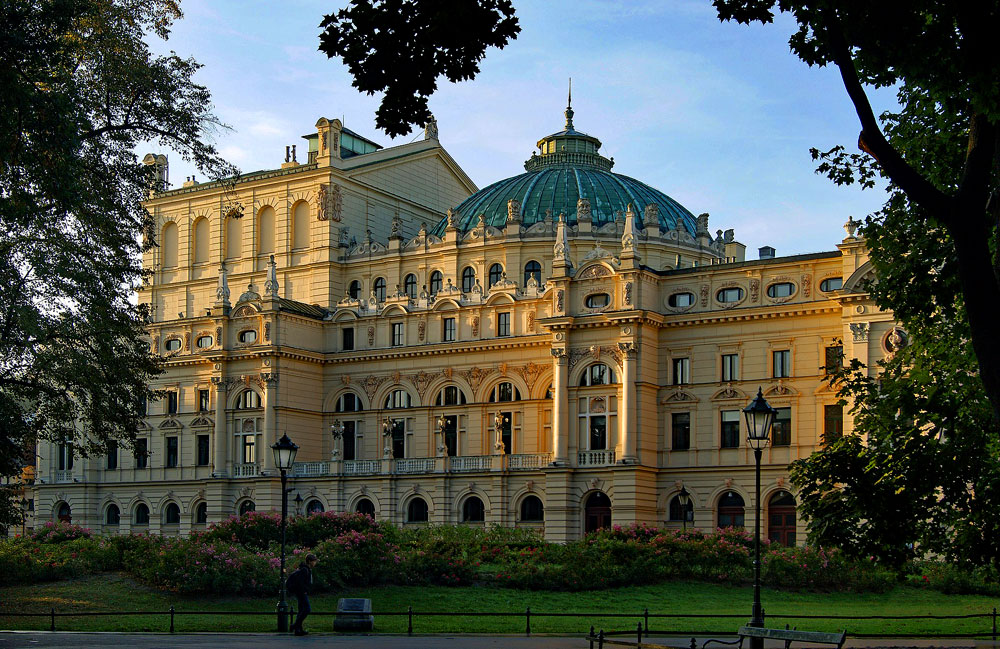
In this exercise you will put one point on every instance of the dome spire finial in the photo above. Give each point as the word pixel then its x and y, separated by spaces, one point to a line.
pixel 569 106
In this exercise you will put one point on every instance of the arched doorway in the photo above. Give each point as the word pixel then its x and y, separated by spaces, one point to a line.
pixel 597 512
pixel 781 518
pixel 731 510
pixel 64 513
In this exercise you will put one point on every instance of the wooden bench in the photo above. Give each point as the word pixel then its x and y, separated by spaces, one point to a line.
pixel 788 635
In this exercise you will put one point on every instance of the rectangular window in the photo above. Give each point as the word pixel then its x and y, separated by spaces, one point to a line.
pixel 203 454
pixel 141 453
pixel 730 367
pixel 397 334
pixel 347 339
pixel 451 435
pixel 598 432
pixel 782 363
pixel 249 449
pixel 66 456
pixel 730 426
pixel 398 438
pixel 833 358
pixel 112 456
pixel 503 324
pixel 680 428
pixel 350 447
pixel 172 402
pixel 781 429
pixel 449 330
pixel 506 432
pixel 203 402
pixel 833 423
pixel 682 371
pixel 171 452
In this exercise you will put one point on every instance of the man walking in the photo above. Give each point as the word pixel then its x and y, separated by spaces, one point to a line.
pixel 298 584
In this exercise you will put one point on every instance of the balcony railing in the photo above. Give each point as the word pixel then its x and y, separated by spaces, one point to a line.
pixel 596 458
pixel 64 476
pixel 463 463
pixel 307 469
pixel 246 470
pixel 415 465
pixel 362 467
pixel 528 461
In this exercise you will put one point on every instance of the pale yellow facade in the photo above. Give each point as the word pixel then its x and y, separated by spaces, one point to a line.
pixel 251 315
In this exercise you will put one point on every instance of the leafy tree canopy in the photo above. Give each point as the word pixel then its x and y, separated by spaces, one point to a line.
pixel 81 91
pixel 401 47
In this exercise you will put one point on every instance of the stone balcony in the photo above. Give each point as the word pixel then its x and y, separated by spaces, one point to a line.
pixel 595 458
pixel 418 465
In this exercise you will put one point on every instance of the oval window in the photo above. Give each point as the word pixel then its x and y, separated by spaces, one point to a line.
pixel 728 295
pixel 598 300
pixel 831 284
pixel 781 289
pixel 681 299
pixel 172 345
pixel 248 336
pixel 204 341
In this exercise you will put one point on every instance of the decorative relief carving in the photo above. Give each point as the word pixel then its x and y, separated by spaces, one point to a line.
pixel 895 340
pixel 628 294
pixel 187 341
pixel 448 372
pixel 329 203
pixel 531 321
pixel 530 372
pixel 475 325
pixel 502 368
pixel 218 336
pixel 421 380
pixel 806 285
pixel 156 344
pixel 860 331
pixel 421 330
pixel 629 350
pixel 346 379
pixel 583 210
pixel 576 354
pixel 558 352
pixel 267 331
pixel 371 336
pixel 475 376
pixel 754 289
pixel 704 295
pixel 513 211
pixel 560 298
pixel 396 376
pixel 371 384
pixel 678 396
pixel 597 270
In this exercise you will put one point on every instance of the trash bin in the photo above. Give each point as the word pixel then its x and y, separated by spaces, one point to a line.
pixel 354 614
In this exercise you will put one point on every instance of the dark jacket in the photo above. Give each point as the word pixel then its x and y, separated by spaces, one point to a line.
pixel 299 581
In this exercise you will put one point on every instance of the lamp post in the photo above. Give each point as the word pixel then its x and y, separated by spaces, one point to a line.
pixel 759 417
pixel 684 498
pixel 284 456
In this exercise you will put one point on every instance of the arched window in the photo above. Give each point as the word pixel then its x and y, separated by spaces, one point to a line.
pixel 416 511
pixel 300 226
pixel 437 280
pixel 141 514
pixel 397 399
pixel 410 286
pixel 504 392
pixel 314 507
pixel 731 512
pixel 355 290
pixel 680 512
pixel 365 507
pixel 532 509
pixel 781 518
pixel 265 222
pixel 247 336
pixel 379 289
pixel 468 279
pixel 533 269
pixel 204 341
pixel 597 512
pixel 348 402
pixel 172 514
pixel 202 239
pixel 169 245
pixel 450 396
pixel 496 272
pixel 234 238
pixel 248 400
pixel 598 374
pixel 112 515
pixel 247 506
pixel 473 510
pixel 64 513
pixel 201 514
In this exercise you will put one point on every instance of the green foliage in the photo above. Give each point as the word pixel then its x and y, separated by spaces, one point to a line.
pixel 401 47
pixel 59 531
pixel 81 91
pixel 355 558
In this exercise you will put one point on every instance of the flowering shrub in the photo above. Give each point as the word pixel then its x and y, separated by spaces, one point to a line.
pixel 254 530
pixel 355 559
pixel 952 579
pixel 26 561
pixel 58 532
pixel 308 531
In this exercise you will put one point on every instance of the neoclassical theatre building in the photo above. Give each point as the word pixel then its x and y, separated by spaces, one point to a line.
pixel 564 349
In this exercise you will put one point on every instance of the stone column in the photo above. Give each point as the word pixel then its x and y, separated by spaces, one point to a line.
pixel 265 457
pixel 221 459
pixel 560 410
pixel 628 427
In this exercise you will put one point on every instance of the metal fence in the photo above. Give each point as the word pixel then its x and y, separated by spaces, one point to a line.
pixel 641 629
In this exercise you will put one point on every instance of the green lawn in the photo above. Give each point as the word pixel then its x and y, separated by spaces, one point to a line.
pixel 111 593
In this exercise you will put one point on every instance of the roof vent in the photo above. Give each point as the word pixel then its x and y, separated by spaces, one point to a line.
pixel 766 252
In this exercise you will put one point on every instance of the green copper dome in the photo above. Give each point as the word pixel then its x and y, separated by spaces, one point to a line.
pixel 567 169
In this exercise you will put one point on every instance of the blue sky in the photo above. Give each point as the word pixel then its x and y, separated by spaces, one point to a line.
pixel 717 115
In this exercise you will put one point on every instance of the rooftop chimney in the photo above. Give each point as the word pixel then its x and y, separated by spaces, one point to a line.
pixel 766 252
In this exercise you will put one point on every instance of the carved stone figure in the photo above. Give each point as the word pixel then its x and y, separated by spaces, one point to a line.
pixel 371 336
pixel 651 217
pixel 513 211
pixel 754 289
pixel 560 299
pixel 475 326
pixel 851 227
pixel 806 285
pixel 531 320
pixel 431 129
pixel 421 328
pixel 628 294
pixel 397 228
pixel 704 295
pixel 583 213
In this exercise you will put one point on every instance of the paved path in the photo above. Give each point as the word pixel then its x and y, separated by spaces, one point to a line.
pixel 32 639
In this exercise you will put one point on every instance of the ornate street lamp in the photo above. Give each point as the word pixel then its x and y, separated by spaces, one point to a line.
pixel 284 456
pixel 684 498
pixel 759 417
